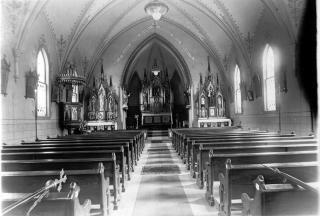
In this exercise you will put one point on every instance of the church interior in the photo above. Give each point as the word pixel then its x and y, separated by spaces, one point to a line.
pixel 159 107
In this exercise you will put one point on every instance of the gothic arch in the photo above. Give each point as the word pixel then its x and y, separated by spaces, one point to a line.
pixel 183 69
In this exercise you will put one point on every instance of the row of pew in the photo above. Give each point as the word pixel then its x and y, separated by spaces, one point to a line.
pixel 252 172
pixel 96 167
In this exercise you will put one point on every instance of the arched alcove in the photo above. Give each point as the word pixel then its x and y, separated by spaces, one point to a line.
pixel 174 78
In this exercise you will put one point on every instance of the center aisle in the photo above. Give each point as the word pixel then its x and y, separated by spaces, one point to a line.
pixel 160 191
pixel 161 185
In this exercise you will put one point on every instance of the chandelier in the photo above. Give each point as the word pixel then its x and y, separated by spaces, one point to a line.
pixel 156 9
pixel 155 69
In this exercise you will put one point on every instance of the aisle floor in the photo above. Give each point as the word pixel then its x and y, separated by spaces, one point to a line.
pixel 161 186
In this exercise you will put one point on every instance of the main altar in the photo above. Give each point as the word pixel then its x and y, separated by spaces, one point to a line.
pixel 210 103
pixel 156 98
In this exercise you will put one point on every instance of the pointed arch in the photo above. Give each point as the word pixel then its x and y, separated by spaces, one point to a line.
pixel 269 88
pixel 183 69
pixel 43 83
pixel 237 90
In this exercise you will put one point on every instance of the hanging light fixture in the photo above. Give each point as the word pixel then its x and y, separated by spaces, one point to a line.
pixel 156 9
pixel 155 68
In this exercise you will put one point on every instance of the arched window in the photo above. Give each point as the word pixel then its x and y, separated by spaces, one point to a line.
pixel 269 80
pixel 43 83
pixel 237 90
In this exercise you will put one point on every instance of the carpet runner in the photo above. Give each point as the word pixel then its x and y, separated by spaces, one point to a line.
pixel 160 192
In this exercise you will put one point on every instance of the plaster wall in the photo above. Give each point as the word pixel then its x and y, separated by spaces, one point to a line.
pixel 17 116
pixel 293 112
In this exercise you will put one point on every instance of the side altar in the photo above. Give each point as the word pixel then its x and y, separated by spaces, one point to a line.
pixel 102 109
pixel 156 98
pixel 210 103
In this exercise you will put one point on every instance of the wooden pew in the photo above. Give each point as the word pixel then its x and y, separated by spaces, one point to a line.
pixel 186 139
pixel 182 137
pixel 110 169
pixel 137 137
pixel 70 155
pixel 192 144
pixel 192 156
pixel 135 146
pixel 236 179
pixel 63 203
pixel 198 168
pixel 217 163
pixel 76 145
pixel 281 199
pixel 132 147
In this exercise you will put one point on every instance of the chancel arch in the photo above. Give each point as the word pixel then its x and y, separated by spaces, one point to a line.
pixel 166 45
pixel 159 73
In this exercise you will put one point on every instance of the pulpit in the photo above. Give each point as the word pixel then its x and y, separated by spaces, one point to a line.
pixel 70 95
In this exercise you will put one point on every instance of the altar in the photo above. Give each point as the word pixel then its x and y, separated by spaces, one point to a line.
pixel 101 125
pixel 156 119
pixel 156 98
pixel 214 122
pixel 102 107
pixel 210 103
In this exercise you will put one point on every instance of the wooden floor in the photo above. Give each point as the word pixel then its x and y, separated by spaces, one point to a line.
pixel 162 186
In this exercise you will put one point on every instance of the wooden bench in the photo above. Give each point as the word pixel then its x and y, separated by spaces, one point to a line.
pixel 198 168
pixel 192 144
pixel 135 146
pixel 62 203
pixel 186 140
pixel 217 163
pixel 109 164
pixel 137 137
pixel 132 148
pixel 191 152
pixel 192 156
pixel 79 145
pixel 281 199
pixel 70 155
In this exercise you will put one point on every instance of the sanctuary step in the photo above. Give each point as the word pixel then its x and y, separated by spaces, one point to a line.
pixel 157 133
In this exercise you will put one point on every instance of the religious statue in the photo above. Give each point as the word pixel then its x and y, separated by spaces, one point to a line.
pixel 101 100
pixel 92 104
pixel 187 94
pixel 125 97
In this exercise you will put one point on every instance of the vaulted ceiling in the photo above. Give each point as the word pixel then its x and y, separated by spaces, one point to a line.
pixel 87 28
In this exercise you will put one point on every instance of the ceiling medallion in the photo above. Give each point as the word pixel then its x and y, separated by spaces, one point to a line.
pixel 156 9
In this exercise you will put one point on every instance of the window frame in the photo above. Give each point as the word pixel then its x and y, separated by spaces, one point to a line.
pixel 42 51
pixel 266 78
pixel 237 90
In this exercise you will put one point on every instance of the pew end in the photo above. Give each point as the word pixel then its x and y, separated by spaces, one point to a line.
pixel 56 203
pixel 280 199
